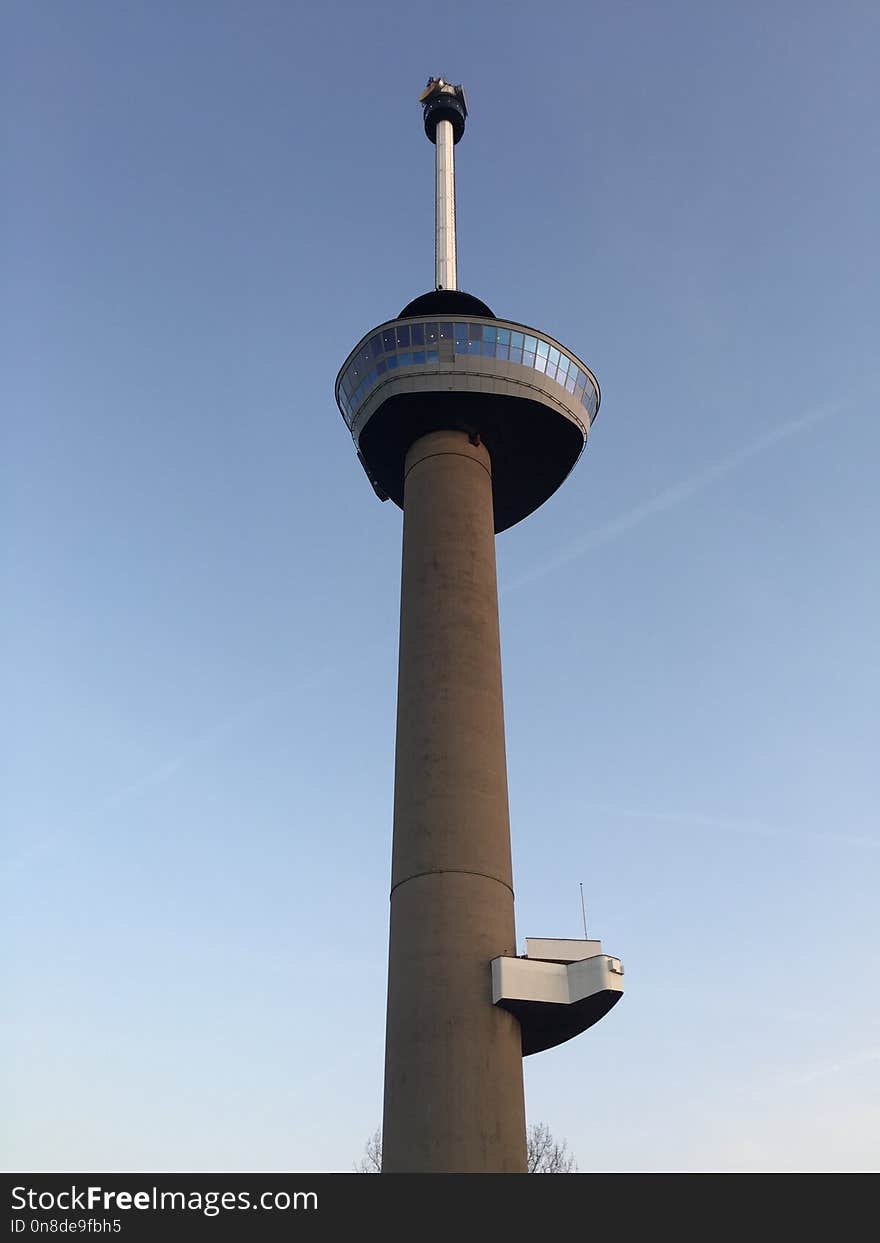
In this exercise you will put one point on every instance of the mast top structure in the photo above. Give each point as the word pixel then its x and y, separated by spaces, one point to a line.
pixel 441 101
pixel 448 363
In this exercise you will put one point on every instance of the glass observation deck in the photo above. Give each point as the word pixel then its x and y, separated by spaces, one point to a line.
pixel 432 344
pixel 529 399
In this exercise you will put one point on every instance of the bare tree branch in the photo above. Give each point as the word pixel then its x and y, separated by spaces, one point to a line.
pixel 544 1154
pixel 371 1161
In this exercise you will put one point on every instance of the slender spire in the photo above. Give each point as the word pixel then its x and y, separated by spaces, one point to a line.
pixel 445 258
pixel 445 110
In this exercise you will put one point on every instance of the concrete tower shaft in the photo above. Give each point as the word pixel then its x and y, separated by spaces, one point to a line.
pixel 453 1072
pixel 469 423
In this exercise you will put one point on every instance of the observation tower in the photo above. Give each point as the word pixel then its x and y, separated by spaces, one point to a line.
pixel 469 423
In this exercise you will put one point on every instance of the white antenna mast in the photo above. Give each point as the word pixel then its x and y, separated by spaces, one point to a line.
pixel 584 911
pixel 445 111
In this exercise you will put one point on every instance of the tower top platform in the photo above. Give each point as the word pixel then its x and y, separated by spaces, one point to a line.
pixel 529 399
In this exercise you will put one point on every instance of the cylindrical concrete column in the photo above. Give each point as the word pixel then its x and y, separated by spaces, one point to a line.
pixel 453 1061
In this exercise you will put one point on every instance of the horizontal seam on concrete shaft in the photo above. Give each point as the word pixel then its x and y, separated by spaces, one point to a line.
pixel 457 871
pixel 449 453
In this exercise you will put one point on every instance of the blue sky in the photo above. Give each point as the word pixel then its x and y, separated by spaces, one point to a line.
pixel 206 206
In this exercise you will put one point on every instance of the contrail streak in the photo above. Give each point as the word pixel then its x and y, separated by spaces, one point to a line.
pixel 670 497
pixel 201 744
pixel 755 828
pixel 205 741
pixel 195 747
pixel 834 1068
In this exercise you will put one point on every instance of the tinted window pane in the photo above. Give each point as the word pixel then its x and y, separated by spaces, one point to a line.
pixel 504 336
pixel 516 339
pixel 529 345
pixel 433 356
pixel 402 336
pixel 553 356
pixel 474 347
pixel 392 362
pixel 503 347
pixel 475 332
pixel 418 334
pixel 515 353
pixel 562 371
pixel 376 345
pixel 581 379
pixel 490 334
pixel 528 357
pixel 569 383
pixel 488 348
pixel 445 332
pixel 406 359
pixel 380 366
pixel 461 337
pixel 540 363
pixel 430 332
pixel 418 357
pixel 543 347
pixel 388 340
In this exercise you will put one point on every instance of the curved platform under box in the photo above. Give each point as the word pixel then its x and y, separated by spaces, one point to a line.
pixel 555 1001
